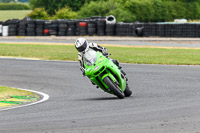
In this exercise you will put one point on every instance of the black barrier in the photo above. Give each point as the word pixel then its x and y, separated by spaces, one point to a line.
pixel 97 26
pixel 92 27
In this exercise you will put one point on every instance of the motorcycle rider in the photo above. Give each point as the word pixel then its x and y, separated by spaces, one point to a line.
pixel 83 46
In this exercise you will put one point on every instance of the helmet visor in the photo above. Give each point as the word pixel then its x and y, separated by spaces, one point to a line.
pixel 83 47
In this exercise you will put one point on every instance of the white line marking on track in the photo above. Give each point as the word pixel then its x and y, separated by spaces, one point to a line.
pixel 32 59
pixel 45 98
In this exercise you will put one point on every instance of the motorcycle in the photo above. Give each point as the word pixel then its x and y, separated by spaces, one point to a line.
pixel 105 74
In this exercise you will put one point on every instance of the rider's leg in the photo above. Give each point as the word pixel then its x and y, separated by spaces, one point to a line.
pixel 116 62
pixel 123 72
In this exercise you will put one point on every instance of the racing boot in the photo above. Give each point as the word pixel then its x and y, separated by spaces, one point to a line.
pixel 123 72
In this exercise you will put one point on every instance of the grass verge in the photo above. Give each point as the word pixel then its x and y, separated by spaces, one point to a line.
pixel 139 55
pixel 10 14
pixel 6 92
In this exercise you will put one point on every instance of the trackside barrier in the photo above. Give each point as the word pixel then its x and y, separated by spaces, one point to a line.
pixel 1 28
pixel 5 31
pixel 96 26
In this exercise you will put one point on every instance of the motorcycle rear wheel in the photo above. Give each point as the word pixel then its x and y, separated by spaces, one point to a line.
pixel 114 88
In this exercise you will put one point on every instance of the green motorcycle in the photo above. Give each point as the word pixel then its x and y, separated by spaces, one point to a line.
pixel 105 74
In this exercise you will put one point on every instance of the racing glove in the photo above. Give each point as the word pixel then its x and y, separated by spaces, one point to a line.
pixel 105 52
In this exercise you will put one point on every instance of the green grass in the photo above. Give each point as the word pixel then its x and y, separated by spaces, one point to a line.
pixel 12 97
pixel 46 52
pixel 157 56
pixel 11 14
pixel 123 54
pixel 194 20
pixel 5 92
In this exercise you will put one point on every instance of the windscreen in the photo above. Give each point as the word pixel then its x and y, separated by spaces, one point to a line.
pixel 90 57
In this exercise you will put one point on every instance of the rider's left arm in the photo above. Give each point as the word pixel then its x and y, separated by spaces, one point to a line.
pixel 99 48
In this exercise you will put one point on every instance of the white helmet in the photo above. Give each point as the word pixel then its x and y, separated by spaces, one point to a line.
pixel 81 44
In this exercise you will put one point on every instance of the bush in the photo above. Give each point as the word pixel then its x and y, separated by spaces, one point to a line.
pixel 65 13
pixel 14 6
pixel 160 10
pixel 6 1
pixel 194 10
pixel 51 6
pixel 39 13
pixel 143 10
pixel 122 15
pixel 105 8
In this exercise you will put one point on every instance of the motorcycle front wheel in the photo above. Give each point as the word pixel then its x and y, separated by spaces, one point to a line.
pixel 114 88
pixel 127 91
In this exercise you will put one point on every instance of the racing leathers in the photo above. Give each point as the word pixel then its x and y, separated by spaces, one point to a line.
pixel 95 47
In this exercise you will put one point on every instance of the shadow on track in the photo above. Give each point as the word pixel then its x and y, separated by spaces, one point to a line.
pixel 102 98
pixel 98 98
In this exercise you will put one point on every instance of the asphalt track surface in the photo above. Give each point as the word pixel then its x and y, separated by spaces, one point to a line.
pixel 133 41
pixel 165 100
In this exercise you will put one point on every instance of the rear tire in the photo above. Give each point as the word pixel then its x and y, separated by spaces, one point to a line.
pixel 127 91
pixel 114 88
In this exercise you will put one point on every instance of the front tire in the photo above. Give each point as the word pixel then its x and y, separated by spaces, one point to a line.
pixel 127 91
pixel 114 88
